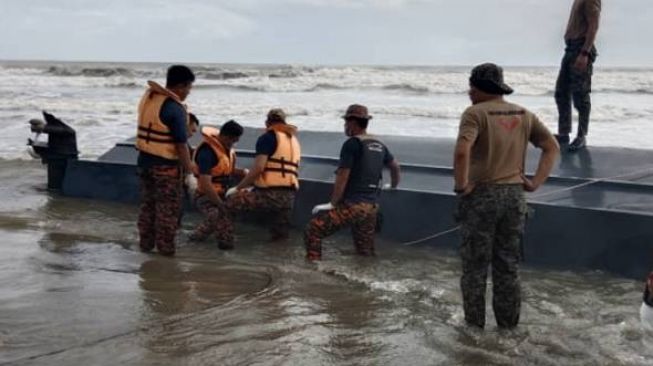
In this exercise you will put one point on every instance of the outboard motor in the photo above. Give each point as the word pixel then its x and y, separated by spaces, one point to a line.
pixel 60 148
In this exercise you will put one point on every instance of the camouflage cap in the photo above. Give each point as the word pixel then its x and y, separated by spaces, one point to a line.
pixel 357 111
pixel 276 115
pixel 488 78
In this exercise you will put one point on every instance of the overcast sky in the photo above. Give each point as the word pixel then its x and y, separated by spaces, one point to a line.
pixel 417 32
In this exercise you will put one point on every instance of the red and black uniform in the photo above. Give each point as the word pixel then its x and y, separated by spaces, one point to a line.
pixel 365 156
pixel 214 159
pixel 162 123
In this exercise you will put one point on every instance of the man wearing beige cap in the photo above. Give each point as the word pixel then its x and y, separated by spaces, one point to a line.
pixel 356 189
pixel 273 180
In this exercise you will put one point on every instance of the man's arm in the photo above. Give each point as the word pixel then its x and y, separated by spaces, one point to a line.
pixel 461 162
pixel 395 173
pixel 342 177
pixel 239 173
pixel 550 151
pixel 205 185
pixel 257 169
pixel 184 158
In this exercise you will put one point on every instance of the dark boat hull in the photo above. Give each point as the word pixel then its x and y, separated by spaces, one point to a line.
pixel 604 224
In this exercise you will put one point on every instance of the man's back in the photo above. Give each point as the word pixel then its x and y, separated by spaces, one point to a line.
pixel 501 132
pixel 581 11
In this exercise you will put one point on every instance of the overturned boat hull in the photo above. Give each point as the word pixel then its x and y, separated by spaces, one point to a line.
pixel 596 211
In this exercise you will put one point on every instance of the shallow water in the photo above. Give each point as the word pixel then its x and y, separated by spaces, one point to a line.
pixel 74 289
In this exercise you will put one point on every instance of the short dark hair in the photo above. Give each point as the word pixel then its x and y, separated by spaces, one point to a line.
pixel 361 122
pixel 193 119
pixel 231 128
pixel 179 75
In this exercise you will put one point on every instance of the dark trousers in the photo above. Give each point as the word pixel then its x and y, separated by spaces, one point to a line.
pixel 574 86
pixel 361 217
pixel 492 222
pixel 160 208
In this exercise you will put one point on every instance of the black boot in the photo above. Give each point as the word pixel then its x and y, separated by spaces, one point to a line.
pixel 579 143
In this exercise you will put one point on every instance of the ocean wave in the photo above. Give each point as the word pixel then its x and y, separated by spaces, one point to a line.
pixel 235 87
pixel 641 91
pixel 407 88
pixel 90 71
pixel 222 75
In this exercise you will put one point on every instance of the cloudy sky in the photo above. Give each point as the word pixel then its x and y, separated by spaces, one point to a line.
pixel 417 32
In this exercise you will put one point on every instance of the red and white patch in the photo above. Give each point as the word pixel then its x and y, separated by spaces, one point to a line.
pixel 509 124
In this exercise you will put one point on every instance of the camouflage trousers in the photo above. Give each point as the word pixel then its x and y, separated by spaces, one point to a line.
pixel 217 220
pixel 160 208
pixel 277 204
pixel 574 85
pixel 492 221
pixel 360 216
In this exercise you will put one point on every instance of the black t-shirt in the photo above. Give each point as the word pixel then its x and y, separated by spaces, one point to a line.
pixel 350 154
pixel 266 144
pixel 206 159
pixel 174 116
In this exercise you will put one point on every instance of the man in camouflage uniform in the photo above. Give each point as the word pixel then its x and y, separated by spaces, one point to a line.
pixel 356 189
pixel 575 78
pixel 489 178
pixel 272 182
pixel 163 156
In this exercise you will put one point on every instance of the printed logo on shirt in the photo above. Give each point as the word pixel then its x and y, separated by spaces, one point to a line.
pixel 375 146
pixel 509 124
pixel 520 112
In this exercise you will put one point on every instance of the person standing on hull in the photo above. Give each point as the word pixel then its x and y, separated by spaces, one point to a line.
pixel 163 158
pixel 489 177
pixel 575 78
pixel 216 160
pixel 356 189
pixel 273 180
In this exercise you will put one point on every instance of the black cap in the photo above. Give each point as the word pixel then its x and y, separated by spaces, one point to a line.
pixel 488 78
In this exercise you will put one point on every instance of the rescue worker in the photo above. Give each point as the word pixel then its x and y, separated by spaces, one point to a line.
pixel 356 188
pixel 646 311
pixel 489 176
pixel 575 78
pixel 216 160
pixel 162 159
pixel 273 180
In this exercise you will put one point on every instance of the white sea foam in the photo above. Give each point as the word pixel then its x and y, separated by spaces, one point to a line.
pixel 99 100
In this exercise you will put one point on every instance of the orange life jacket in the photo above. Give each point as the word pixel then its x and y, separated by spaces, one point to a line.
pixel 282 168
pixel 153 136
pixel 221 173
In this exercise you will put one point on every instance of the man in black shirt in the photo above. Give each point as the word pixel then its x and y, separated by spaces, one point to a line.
pixel 356 189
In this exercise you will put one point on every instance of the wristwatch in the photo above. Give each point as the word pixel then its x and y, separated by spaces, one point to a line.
pixel 459 190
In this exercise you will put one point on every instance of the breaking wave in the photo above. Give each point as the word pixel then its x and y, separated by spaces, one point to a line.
pixel 90 71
